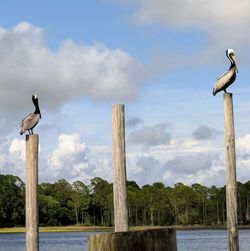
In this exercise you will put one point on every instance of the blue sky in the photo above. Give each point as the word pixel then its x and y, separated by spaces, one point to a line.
pixel 159 58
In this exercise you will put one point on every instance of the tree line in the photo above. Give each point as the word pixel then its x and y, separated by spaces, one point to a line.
pixel 63 203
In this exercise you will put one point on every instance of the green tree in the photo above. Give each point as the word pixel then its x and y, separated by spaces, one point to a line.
pixel 133 202
pixel 185 199
pixel 81 200
pixel 216 205
pixel 11 201
pixel 61 192
pixel 201 203
pixel 102 201
pixel 156 205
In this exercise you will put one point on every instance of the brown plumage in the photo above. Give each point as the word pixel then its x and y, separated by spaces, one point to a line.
pixel 229 76
pixel 31 120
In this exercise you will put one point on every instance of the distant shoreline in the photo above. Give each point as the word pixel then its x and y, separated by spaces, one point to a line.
pixel 108 229
pixel 56 229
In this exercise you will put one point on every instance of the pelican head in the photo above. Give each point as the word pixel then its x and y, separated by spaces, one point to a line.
pixel 34 96
pixel 231 56
pixel 35 102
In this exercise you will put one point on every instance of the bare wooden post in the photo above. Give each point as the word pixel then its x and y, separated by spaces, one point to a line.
pixel 163 239
pixel 32 226
pixel 119 169
pixel 231 190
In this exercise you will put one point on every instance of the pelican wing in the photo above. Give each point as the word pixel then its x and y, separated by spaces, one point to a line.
pixel 224 80
pixel 29 122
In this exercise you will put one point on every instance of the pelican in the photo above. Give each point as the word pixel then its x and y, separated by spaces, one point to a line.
pixel 229 76
pixel 31 120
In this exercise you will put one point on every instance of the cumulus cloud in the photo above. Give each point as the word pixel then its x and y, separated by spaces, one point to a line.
pixel 68 149
pixel 73 160
pixel 150 135
pixel 179 161
pixel 149 169
pixel 133 122
pixel 243 144
pixel 144 168
pixel 171 168
pixel 70 159
pixel 74 70
pixel 17 147
pixel 69 156
pixel 225 23
pixel 12 157
pixel 190 164
pixel 204 133
pixel 243 158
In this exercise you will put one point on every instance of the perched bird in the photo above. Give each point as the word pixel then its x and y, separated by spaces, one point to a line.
pixel 229 76
pixel 31 120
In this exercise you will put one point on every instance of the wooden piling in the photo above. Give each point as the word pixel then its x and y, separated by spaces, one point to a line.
pixel 32 225
pixel 119 169
pixel 231 189
pixel 163 239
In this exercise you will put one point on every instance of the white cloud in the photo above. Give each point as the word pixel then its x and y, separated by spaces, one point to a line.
pixel 171 168
pixel 70 159
pixel 187 161
pixel 100 161
pixel 18 147
pixel 74 70
pixel 243 144
pixel 146 170
pixel 69 156
pixel 12 157
pixel 224 23
pixel 190 164
pixel 243 158
pixel 201 14
pixel 73 160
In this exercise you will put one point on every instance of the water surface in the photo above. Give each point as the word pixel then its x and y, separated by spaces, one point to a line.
pixel 209 240
pixel 66 241
pixel 187 240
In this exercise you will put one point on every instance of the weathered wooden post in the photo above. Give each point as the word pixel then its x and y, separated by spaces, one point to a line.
pixel 231 189
pixel 119 169
pixel 163 239
pixel 32 225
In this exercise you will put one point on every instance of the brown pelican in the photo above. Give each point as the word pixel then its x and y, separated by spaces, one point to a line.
pixel 31 120
pixel 229 76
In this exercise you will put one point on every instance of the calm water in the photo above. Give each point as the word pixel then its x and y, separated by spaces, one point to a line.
pixel 198 240
pixel 209 240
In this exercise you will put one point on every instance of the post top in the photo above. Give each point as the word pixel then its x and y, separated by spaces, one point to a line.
pixel 227 94
pixel 31 136
pixel 117 105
